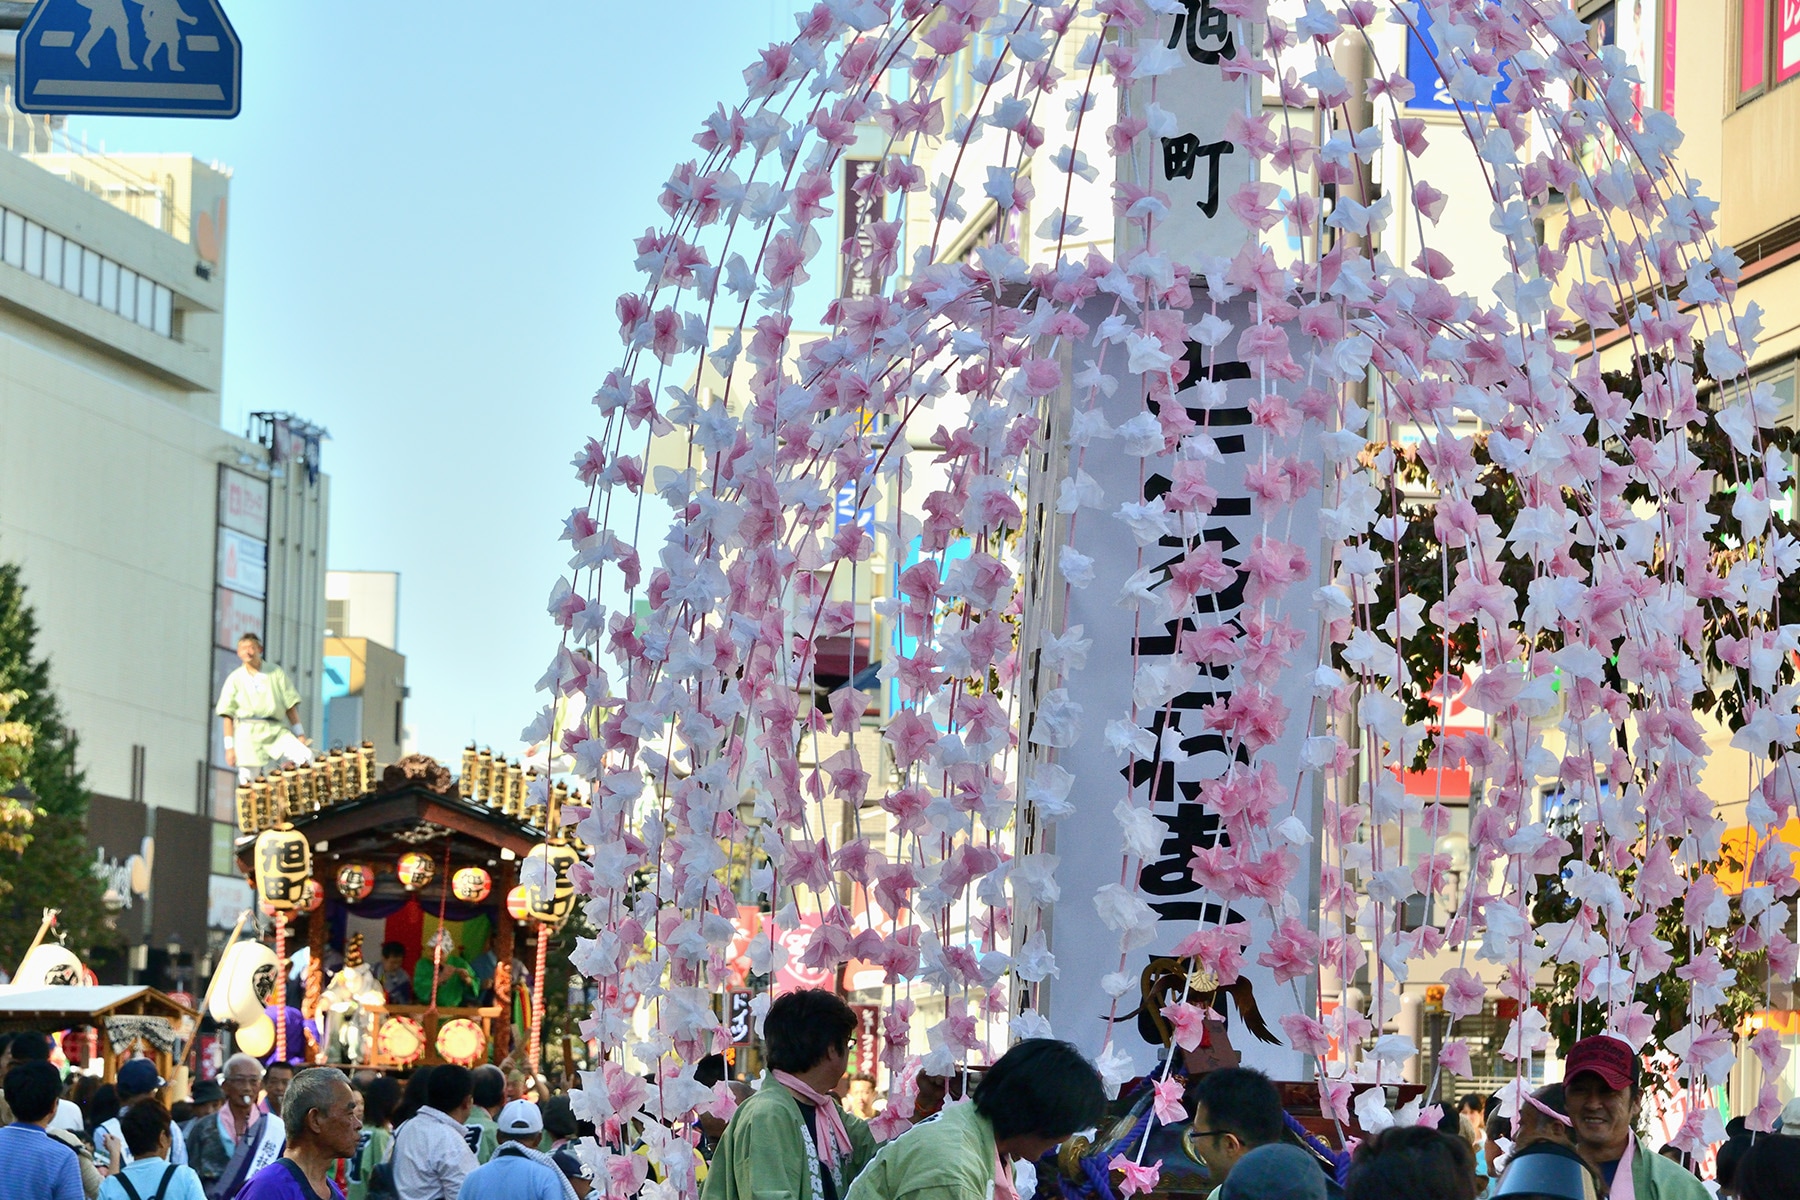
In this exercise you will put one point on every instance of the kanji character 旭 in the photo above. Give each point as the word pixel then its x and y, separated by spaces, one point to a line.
pixel 1204 23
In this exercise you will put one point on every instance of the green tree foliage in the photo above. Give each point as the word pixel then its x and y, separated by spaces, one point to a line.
pixel 1424 567
pixel 15 751
pixel 53 869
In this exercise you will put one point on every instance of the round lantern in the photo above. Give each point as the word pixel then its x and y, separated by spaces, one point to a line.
pixel 471 885
pixel 283 864
pixel 257 1038
pixel 549 892
pixel 462 1042
pixel 50 964
pixel 246 982
pixel 312 896
pixel 355 881
pixel 401 1039
pixel 415 870
pixel 518 906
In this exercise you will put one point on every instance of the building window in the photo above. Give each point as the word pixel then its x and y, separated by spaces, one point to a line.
pixel 1768 45
pixel 62 263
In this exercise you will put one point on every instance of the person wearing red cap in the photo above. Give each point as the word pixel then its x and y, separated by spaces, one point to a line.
pixel 1600 1084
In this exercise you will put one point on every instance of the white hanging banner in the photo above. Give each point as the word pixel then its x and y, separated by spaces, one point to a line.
pixel 1192 158
pixel 1129 647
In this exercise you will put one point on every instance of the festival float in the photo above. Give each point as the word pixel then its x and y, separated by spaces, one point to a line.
pixel 346 861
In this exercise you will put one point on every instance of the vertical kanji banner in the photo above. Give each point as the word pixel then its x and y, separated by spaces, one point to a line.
pixel 1192 108
pixel 1132 657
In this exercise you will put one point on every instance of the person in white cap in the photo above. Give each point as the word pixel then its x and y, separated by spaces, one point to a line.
pixel 518 1171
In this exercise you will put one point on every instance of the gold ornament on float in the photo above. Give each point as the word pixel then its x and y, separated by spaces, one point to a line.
pixel 415 870
pixel 283 865
pixel 401 1039
pixel 461 1042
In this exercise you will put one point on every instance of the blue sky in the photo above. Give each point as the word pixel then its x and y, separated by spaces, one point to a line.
pixel 431 216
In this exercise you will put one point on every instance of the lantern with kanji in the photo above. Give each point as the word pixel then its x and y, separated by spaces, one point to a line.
pixel 518 907
pixel 471 885
pixel 283 864
pixel 549 892
pixel 50 964
pixel 415 870
pixel 355 881
pixel 312 895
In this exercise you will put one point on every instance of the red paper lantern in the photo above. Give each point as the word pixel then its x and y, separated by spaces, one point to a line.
pixel 471 885
pixel 355 881
pixel 415 870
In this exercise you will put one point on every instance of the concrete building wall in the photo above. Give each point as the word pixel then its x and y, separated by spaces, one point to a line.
pixel 110 450
pixel 364 604
pixel 375 708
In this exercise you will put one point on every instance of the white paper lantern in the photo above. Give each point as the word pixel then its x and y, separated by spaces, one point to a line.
pixel 256 1038
pixel 50 965
pixel 246 983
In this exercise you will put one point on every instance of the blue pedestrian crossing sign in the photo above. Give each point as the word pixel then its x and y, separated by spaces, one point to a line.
pixel 162 58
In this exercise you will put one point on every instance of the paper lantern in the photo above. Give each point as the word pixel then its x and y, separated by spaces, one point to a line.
pixel 517 906
pixel 401 1039
pixel 355 881
pixel 415 870
pixel 50 964
pixel 283 864
pixel 246 982
pixel 312 895
pixel 471 885
pixel 549 892
pixel 257 1038
pixel 461 1042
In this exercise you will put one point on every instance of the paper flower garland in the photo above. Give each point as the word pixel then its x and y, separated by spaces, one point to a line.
pixel 1581 630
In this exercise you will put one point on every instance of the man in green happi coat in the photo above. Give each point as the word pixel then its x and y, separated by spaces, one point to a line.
pixel 1040 1092
pixel 791 1140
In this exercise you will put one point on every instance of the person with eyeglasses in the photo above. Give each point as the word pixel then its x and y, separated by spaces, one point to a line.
pixel 1235 1109
pixel 250 1135
pixel 213 1139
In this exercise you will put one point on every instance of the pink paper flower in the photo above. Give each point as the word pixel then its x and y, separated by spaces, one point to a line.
pixel 1137 1180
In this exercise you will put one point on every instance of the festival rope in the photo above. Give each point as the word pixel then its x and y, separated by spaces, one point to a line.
pixel 535 1056
pixel 280 986
pixel 437 945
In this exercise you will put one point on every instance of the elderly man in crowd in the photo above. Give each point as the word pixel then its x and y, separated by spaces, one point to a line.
pixel 213 1138
pixel 242 1137
pixel 323 1117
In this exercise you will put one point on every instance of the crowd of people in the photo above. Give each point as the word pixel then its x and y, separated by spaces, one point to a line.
pixel 277 1132
pixel 451 1133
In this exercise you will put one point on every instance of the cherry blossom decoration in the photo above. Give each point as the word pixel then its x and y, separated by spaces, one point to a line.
pixel 715 767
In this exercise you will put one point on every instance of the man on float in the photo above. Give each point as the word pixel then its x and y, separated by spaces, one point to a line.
pixel 261 711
